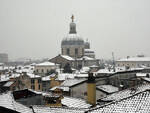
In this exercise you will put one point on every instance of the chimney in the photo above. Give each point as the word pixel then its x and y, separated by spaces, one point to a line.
pixel 91 90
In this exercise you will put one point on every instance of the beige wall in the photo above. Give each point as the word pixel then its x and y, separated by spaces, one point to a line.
pixel 72 51
pixel 26 80
pixel 44 68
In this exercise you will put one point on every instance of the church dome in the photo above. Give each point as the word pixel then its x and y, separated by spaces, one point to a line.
pixel 72 39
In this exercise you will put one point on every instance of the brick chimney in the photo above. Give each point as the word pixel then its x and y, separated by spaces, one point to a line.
pixel 91 89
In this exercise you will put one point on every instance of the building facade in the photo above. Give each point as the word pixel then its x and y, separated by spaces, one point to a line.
pixel 134 62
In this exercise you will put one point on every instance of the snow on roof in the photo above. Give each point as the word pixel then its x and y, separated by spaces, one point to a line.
pixel 94 66
pixel 141 74
pixel 126 93
pixel 38 109
pixel 8 84
pixel 33 75
pixel 88 50
pixel 64 76
pixel 7 101
pixel 75 102
pixel 33 64
pixel 135 59
pixel 4 78
pixel 46 64
pixel 85 70
pixel 60 87
pixel 135 104
pixel 79 75
pixel 72 82
pixel 86 58
pixel 105 71
pixel 108 88
pixel 47 78
pixel 146 79
pixel 67 57
pixel 42 93
pixel 27 69
pixel 14 75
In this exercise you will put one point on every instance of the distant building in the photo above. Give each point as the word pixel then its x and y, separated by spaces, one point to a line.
pixel 31 81
pixel 3 58
pixel 45 68
pixel 74 46
pixel 134 62
pixel 75 51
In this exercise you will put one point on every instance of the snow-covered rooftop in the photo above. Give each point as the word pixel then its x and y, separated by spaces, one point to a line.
pixel 135 59
pixel 14 75
pixel 89 50
pixel 72 82
pixel 86 58
pixel 67 57
pixel 4 77
pixel 33 75
pixel 108 88
pixel 105 71
pixel 126 93
pixel 60 87
pixel 38 109
pixel 8 84
pixel 75 102
pixel 141 74
pixel 64 76
pixel 7 101
pixel 47 78
pixel 46 64
pixel 135 104
pixel 80 75
pixel 146 79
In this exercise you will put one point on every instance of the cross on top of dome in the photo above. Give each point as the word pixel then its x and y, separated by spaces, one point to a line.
pixel 72 17
pixel 72 26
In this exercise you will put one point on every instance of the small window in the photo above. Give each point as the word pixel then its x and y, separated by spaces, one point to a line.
pixel 76 51
pixel 47 70
pixel 39 87
pixel 37 70
pixel 39 80
pixel 32 81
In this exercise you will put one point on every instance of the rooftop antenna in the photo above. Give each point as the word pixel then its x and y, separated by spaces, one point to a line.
pixel 113 61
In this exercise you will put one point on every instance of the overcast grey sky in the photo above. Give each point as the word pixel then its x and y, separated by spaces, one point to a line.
pixel 35 28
